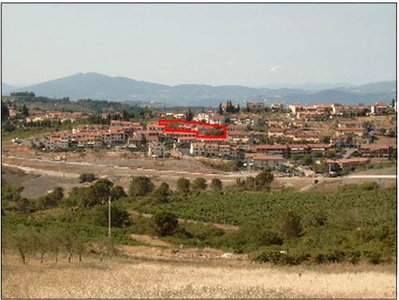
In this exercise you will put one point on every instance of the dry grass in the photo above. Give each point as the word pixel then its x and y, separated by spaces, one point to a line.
pixel 129 278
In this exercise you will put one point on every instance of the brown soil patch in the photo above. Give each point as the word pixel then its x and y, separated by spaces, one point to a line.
pixel 153 241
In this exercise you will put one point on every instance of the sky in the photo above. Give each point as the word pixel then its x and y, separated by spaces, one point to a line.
pixel 217 44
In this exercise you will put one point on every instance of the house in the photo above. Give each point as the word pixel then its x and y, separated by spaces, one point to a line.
pixel 156 149
pixel 309 136
pixel 89 128
pixel 350 131
pixel 245 135
pixel 378 108
pixel 313 116
pixel 247 119
pixel 275 132
pixel 275 122
pixel 323 148
pixel 255 105
pixel 94 140
pixel 217 119
pixel 350 163
pixel 236 128
pixel 179 116
pixel 350 124
pixel 298 149
pixel 347 111
pixel 377 150
pixel 263 160
pixel 275 149
pixel 113 136
pixel 36 118
pixel 276 107
pixel 295 108
pixel 54 144
pixel 202 117
pixel 224 151
pixel 178 135
pixel 156 127
pixel 146 133
pixel 298 124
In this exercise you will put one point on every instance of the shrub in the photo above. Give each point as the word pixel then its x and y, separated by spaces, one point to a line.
pixel 161 194
pixel 183 186
pixel 141 186
pixel 288 225
pixel 87 177
pixel 216 184
pixel 51 199
pixel 199 184
pixel 164 223
pixel 372 256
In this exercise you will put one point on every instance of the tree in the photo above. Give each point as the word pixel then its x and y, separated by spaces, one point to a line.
pixel 161 194
pixel 5 113
pixel 199 184
pixel 141 186
pixel 164 223
pixel 183 186
pixel 189 115
pixel 220 109
pixel 125 115
pixel 317 154
pixel 216 184
pixel 143 141
pixel 250 183
pixel 51 199
pixel 24 206
pixel 263 179
pixel 326 139
pixel 9 126
pixel 119 217
pixel 25 111
pixel 98 193
pixel 117 192
pixel 307 160
pixel 23 240
pixel 288 225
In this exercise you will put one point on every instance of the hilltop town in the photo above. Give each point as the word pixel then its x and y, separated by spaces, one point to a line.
pixel 325 139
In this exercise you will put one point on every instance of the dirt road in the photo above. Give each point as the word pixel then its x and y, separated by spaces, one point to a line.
pixel 120 169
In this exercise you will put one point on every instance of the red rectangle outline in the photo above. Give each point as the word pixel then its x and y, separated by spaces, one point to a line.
pixel 167 129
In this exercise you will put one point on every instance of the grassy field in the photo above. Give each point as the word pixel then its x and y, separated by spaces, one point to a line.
pixel 133 278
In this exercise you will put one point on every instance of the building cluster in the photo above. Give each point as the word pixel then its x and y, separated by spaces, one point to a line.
pixel 250 138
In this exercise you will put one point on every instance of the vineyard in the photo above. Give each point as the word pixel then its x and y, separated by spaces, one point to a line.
pixel 358 222
pixel 364 206
pixel 355 223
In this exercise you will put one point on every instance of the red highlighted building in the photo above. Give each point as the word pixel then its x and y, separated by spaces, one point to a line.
pixel 201 130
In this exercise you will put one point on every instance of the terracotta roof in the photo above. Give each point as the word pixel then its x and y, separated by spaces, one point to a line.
pixel 264 157
pixel 348 160
pixel 276 146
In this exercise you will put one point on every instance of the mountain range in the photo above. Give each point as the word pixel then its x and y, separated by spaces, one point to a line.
pixel 102 87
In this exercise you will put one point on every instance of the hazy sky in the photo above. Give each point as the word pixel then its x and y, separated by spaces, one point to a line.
pixel 217 44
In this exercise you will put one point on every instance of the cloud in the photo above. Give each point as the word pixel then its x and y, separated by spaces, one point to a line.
pixel 276 68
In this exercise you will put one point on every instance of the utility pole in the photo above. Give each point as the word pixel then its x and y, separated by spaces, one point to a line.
pixel 109 216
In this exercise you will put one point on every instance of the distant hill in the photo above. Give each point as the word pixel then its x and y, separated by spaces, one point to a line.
pixel 310 86
pixel 101 87
pixel 6 89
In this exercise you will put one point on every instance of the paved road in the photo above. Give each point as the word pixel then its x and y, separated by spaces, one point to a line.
pixel 59 169
pixel 371 176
